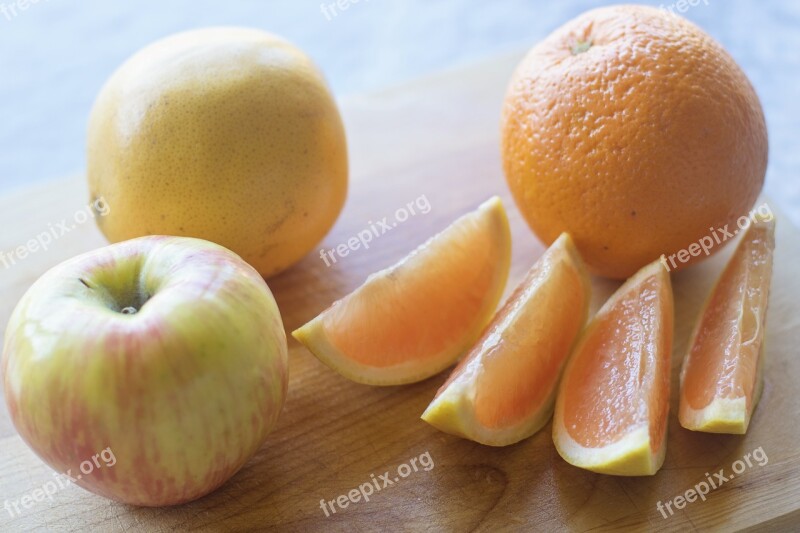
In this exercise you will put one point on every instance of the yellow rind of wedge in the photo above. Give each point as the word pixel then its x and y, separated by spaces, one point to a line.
pixel 725 415
pixel 453 413
pixel 630 456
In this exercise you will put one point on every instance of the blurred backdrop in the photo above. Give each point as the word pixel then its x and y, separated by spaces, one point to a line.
pixel 55 55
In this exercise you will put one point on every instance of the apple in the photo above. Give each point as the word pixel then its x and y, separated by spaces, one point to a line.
pixel 167 353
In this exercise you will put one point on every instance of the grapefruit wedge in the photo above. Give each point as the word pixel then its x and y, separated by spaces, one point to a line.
pixel 414 319
pixel 503 390
pixel 721 377
pixel 612 404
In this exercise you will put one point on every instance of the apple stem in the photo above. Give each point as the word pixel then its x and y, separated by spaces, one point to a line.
pixel 128 311
pixel 85 283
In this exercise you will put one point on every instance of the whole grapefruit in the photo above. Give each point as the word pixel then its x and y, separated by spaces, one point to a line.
pixel 226 134
pixel 634 131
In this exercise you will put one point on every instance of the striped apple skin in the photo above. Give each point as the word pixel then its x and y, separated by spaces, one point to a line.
pixel 183 392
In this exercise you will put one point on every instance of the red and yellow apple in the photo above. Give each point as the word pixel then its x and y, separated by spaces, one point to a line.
pixel 168 351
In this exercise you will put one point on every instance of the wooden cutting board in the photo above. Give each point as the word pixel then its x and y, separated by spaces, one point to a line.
pixel 439 138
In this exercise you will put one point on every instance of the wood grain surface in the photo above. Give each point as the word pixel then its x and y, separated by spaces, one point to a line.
pixel 436 137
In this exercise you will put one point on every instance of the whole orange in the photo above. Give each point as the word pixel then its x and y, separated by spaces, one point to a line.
pixel 634 131
pixel 226 134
